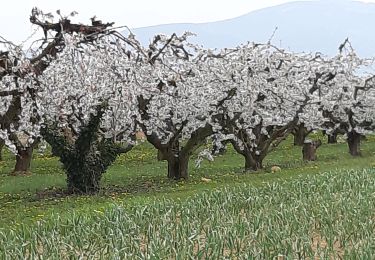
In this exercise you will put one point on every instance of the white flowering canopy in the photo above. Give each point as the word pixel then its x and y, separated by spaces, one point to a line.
pixel 21 99
pixel 173 88
pixel 81 78
pixel 272 88
pixel 348 103
pixel 176 93
pixel 18 105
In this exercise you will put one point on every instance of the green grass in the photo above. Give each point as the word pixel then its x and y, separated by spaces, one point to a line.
pixel 329 215
pixel 138 179
pixel 137 175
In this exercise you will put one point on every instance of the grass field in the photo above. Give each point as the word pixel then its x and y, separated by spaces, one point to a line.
pixel 324 208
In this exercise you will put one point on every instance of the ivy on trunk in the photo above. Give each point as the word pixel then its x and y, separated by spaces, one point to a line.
pixel 85 155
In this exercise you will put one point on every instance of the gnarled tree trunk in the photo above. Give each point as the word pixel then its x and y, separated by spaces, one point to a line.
pixel 354 143
pixel 264 144
pixel 87 156
pixel 300 133
pixel 177 158
pixel 178 162
pixel 23 161
pixel 309 150
pixel 253 163
pixel 178 167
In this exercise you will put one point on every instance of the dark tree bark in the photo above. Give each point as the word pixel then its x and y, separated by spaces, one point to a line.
pixel 332 138
pixel 2 144
pixel 177 163
pixel 9 118
pixel 178 167
pixel 354 143
pixel 253 162
pixel 176 155
pixel 300 133
pixel 161 156
pixel 309 150
pixel 23 161
pixel 264 143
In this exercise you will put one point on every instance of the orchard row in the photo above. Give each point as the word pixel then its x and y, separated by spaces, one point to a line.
pixel 87 90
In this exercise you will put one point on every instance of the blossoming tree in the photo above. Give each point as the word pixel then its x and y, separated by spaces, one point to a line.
pixel 89 111
pixel 272 90
pixel 177 103
pixel 19 71
pixel 348 103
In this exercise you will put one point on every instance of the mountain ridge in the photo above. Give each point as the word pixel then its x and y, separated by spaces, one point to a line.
pixel 311 26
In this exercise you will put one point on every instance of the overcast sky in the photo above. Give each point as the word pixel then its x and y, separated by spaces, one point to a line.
pixel 14 24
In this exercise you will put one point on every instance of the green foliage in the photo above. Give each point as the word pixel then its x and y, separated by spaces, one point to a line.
pixel 85 155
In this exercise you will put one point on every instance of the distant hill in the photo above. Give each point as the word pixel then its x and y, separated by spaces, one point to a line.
pixel 302 26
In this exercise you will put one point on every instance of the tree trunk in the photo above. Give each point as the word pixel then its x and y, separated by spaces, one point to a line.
pixel 253 163
pixel 309 150
pixel 332 138
pixel 354 143
pixel 83 181
pixel 161 156
pixel 300 134
pixel 178 167
pixel 2 144
pixel 23 161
